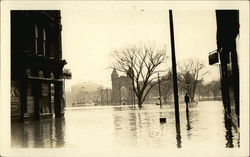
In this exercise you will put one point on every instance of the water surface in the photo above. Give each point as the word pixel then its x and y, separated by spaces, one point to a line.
pixel 127 127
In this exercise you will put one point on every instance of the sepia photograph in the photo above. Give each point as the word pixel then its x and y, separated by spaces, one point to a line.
pixel 124 78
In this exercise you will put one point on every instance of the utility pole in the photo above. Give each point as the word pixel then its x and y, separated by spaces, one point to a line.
pixel 107 96
pixel 159 84
pixel 175 85
pixel 120 97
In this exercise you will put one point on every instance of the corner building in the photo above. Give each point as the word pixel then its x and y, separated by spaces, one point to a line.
pixel 36 65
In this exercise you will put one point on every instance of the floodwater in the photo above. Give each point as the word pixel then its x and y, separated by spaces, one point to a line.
pixel 127 127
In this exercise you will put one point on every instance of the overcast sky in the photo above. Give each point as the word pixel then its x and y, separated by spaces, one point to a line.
pixel 89 35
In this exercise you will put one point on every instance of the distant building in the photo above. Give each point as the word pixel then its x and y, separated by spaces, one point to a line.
pixel 86 93
pixel 122 89
pixel 36 65
pixel 123 94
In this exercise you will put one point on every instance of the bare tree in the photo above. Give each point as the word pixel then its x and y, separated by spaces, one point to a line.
pixel 167 88
pixel 141 64
pixel 190 75
pixel 203 89
pixel 214 87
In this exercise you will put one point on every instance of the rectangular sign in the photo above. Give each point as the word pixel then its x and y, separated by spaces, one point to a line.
pixel 213 58
pixel 15 98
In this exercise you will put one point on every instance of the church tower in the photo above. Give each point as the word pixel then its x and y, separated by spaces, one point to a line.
pixel 115 87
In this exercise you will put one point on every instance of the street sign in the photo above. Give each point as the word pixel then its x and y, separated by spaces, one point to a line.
pixel 213 57
pixel 66 74
pixel 15 98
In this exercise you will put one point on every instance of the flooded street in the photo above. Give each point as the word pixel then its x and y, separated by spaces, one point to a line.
pixel 126 127
pixel 125 78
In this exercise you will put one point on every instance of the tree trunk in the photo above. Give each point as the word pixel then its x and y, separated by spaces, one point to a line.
pixel 193 93
pixel 139 102
pixel 165 99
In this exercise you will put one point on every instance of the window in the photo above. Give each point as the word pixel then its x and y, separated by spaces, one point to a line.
pixel 44 42
pixel 40 40
pixel 36 39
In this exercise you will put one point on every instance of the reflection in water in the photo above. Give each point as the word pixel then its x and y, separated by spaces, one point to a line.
pixel 133 124
pixel 189 132
pixel 124 126
pixel 229 136
pixel 38 134
pixel 59 132
pixel 178 135
pixel 188 121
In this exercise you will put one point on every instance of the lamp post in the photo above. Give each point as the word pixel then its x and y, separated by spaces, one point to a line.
pixel 120 96
pixel 188 87
pixel 107 96
pixel 159 84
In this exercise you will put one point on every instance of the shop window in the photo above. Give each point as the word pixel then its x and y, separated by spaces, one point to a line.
pixel 45 105
pixel 52 97
pixel 30 99
pixel 15 98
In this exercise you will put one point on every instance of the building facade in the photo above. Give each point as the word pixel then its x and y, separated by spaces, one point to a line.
pixel 36 65
pixel 227 57
pixel 122 89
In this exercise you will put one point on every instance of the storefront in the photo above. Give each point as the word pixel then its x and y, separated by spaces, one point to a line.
pixel 227 57
pixel 36 65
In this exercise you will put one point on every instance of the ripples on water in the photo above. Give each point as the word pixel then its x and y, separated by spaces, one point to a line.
pixel 124 126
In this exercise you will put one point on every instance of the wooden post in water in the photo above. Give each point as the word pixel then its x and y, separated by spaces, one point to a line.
pixel 175 85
